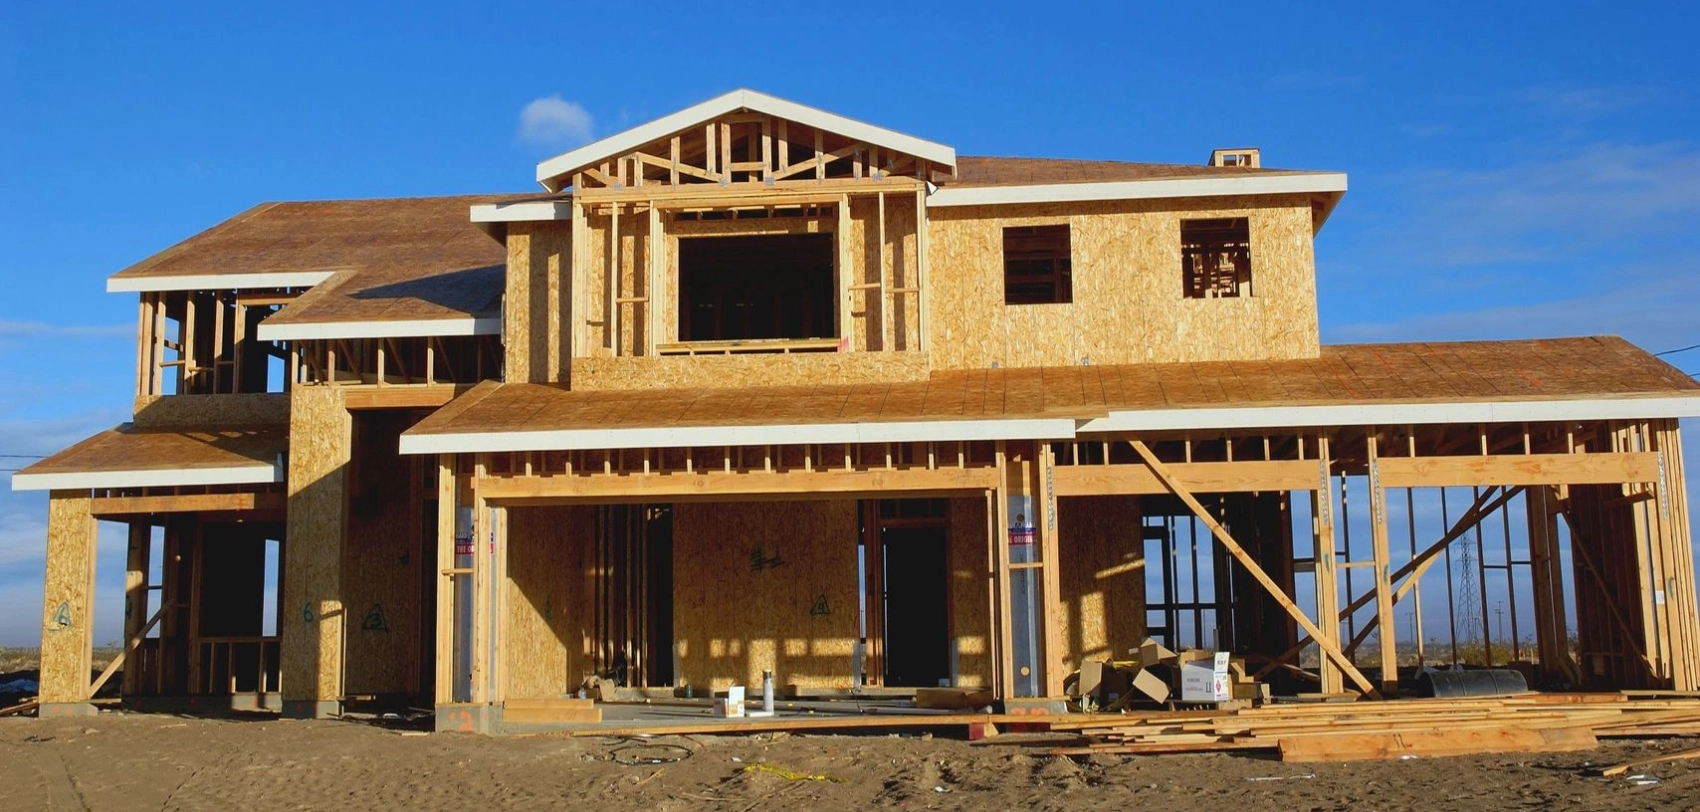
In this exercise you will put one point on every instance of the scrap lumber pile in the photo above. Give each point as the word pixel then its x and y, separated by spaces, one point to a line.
pixel 1352 731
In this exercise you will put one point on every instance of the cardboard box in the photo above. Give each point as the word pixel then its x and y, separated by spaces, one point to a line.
pixel 1251 690
pixel 1206 679
pixel 1150 686
pixel 1091 676
pixel 1151 652
pixel 732 706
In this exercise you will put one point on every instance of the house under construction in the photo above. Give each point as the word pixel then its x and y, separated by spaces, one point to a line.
pixel 759 387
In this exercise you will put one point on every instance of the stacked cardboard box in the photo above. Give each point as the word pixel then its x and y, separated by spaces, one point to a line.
pixel 1153 674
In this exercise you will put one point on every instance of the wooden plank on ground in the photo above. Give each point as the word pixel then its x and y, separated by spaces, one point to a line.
pixel 1434 742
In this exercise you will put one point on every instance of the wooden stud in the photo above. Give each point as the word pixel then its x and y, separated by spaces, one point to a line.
pixel 1382 561
pixel 136 593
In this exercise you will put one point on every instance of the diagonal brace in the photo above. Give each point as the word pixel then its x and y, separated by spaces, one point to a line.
pixel 1233 547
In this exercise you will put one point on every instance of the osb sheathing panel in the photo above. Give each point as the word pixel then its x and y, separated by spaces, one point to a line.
pixel 532 321
pixel 633 235
pixel 200 411
pixel 312 616
pixel 1101 556
pixel 732 619
pixel 891 263
pixel 685 372
pixel 380 562
pixel 550 611
pixel 970 595
pixel 68 600
pixel 1127 304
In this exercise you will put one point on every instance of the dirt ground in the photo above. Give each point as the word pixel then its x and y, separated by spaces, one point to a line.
pixel 124 761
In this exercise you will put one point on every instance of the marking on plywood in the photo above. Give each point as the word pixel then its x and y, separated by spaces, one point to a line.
pixel 375 620
pixel 820 607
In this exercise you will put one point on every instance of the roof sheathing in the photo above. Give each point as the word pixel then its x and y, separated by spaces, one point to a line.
pixel 1604 376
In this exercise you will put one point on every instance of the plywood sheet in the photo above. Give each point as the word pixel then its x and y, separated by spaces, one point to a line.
pixel 1101 558
pixel 1552 369
pixel 765 585
pixel 550 600
pixel 970 592
pixel 1128 306
pixel 312 617
pixel 380 560
pixel 67 631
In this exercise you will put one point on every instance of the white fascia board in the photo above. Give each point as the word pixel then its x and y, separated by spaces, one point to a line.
pixel 1310 183
pixel 702 436
pixel 624 142
pixel 257 473
pixel 310 331
pixel 1393 414
pixel 217 281
pixel 530 211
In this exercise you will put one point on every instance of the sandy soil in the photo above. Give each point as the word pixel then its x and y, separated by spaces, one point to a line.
pixel 123 761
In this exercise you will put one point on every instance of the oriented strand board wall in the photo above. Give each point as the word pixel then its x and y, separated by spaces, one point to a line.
pixel 312 617
pixel 1128 305
pixel 551 615
pixel 732 620
pixel 970 592
pixel 203 411
pixel 633 235
pixel 1101 556
pixel 531 306
pixel 892 262
pixel 667 372
pixel 381 560
pixel 67 632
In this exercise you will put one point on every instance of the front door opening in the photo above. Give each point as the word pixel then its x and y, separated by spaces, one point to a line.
pixel 917 607
pixel 772 286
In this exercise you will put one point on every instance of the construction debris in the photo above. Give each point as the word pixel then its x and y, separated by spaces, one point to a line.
pixel 1384 730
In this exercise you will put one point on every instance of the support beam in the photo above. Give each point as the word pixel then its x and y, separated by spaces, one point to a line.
pixel 1233 547
pixel 67 633
pixel 1603 468
pixel 1327 581
pixel 116 506
pixel 312 620
pixel 443 683
pixel 566 489
pixel 136 593
pixel 1199 477
pixel 1380 555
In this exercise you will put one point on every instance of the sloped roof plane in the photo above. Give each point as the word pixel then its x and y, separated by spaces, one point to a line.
pixel 553 173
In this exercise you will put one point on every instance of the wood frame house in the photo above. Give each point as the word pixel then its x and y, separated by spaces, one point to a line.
pixel 758 387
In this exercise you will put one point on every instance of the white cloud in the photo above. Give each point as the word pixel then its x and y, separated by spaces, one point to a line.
pixel 554 122
pixel 1575 101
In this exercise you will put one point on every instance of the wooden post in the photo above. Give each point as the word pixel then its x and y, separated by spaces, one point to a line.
pixel 1552 638
pixel 846 295
pixel 1001 592
pixel 656 306
pixel 1327 580
pixel 1044 503
pixel 136 595
pixel 445 637
pixel 921 323
pixel 1382 563
pixel 311 623
pixel 614 271
pixel 482 563
pixel 67 635
pixel 1329 648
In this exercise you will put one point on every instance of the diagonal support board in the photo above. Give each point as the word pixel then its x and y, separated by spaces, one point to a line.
pixel 1484 506
pixel 1221 533
pixel 129 646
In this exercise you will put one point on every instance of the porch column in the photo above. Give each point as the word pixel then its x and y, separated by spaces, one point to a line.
pixel 311 622
pixel 67 638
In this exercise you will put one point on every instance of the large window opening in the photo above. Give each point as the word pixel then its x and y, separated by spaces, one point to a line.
pixel 1216 258
pixel 756 288
pixel 1037 267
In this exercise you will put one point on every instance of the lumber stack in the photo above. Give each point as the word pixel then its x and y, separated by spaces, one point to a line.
pixel 1349 731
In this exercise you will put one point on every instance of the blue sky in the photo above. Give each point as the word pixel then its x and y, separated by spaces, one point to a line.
pixel 1513 174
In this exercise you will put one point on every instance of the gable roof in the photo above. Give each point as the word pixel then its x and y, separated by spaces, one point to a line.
pixel 553 173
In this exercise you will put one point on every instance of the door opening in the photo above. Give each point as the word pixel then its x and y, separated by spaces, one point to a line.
pixel 915 574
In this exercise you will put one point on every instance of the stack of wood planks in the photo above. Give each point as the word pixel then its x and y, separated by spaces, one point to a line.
pixel 1377 730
